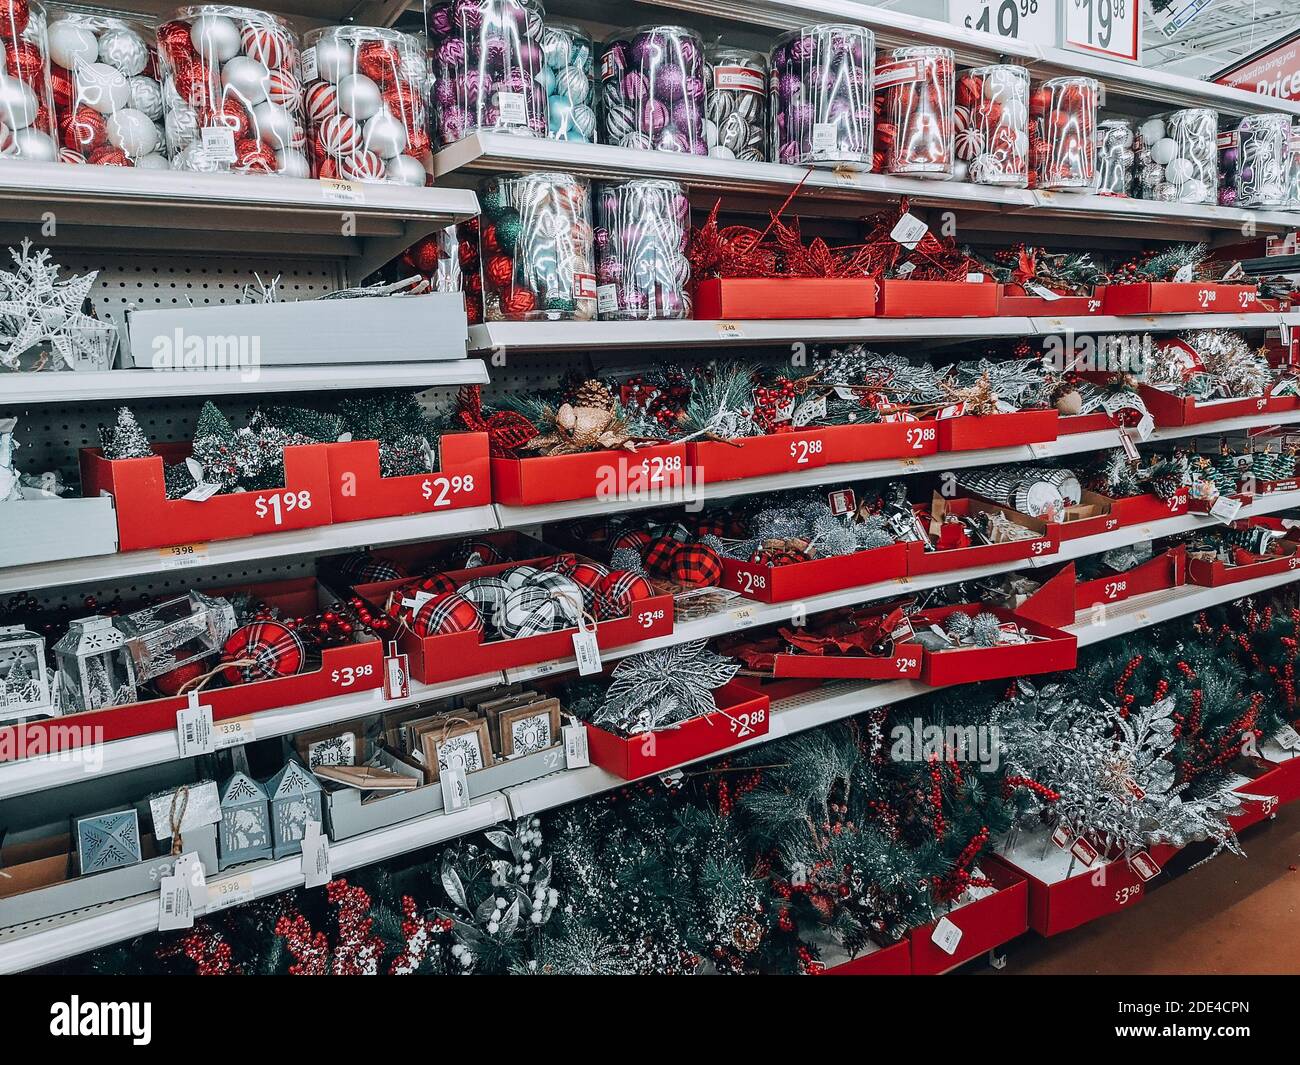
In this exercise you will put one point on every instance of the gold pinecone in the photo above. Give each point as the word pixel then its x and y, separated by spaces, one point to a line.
pixel 593 393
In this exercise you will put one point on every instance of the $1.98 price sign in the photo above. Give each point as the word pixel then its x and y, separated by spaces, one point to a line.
pixel 1018 20
pixel 280 505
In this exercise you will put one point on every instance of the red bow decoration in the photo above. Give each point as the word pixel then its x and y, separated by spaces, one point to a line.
pixel 507 431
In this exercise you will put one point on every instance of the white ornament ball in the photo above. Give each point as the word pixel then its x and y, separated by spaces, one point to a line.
pixel 146 96
pixel 334 59
pixel 196 159
pixel 124 49
pixel 1180 170
pixel 215 38
pixel 103 87
pixel 247 77
pixel 153 161
pixel 36 145
pixel 182 126
pixel 265 43
pixel 710 133
pixel 1194 191
pixel 359 96
pixel 71 44
pixel 133 131
pixel 721 151
pixel 339 135
pixel 386 135
pixel 1152 130
pixel 1000 83
pixel 275 125
pixel 362 166
pixel 292 163
pixel 1164 151
pixel 960 170
pixel 406 171
pixel 18 103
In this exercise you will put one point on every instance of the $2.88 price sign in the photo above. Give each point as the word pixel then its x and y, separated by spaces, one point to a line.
pixel 1017 20
pixel 281 504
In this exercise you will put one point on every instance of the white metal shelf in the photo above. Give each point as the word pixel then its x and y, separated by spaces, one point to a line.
pixel 101 569
pixel 109 207
pixel 39 388
pixel 843 192
pixel 41 943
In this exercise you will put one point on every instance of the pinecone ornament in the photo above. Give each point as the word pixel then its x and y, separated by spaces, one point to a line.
pixel 593 393
pixel 958 625
pixel 985 630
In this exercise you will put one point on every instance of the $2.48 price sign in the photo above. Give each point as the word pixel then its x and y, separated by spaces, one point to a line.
pixel 1018 20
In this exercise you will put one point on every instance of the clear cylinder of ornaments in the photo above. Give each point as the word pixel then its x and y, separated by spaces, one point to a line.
pixel 487 61
pixel 233 91
pixel 568 79
pixel 641 265
pixel 1255 162
pixel 736 122
pixel 537 248
pixel 1115 157
pixel 108 100
pixel 819 88
pixel 915 129
pixel 991 126
pixel 27 129
pixel 1063 137
pixel 1178 157
pixel 652 89
pixel 365 103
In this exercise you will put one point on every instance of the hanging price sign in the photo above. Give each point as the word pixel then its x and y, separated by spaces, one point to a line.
pixel 1017 20
pixel 1112 28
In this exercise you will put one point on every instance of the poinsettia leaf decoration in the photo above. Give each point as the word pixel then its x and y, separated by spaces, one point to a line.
pixel 664 687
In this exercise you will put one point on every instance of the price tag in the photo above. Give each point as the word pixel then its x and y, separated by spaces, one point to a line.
pixel 397 674
pixel 909 230
pixel 1178 15
pixel 182 556
pixel 455 787
pixel 175 909
pixel 607 299
pixel 1041 450
pixel 1288 738
pixel 230 891
pixel 744 616
pixel 1062 837
pixel 1019 20
pixel 219 143
pixel 1043 292
pixel 514 108
pixel 1146 427
pixel 1225 509
pixel 1112 28
pixel 1130 448
pixel 201 493
pixel 576 755
pixel 315 855
pixel 1185 274
pixel 825 137
pixel 189 869
pixel 337 190
pixel 1144 865
pixel 730 331
pixel 946 936
pixel 194 730
pixel 233 733
pixel 309 66
pixel 1084 851
pixel 587 651
pixel 975 279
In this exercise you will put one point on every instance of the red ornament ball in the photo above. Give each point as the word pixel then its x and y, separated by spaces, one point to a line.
pixel 26 61
pixel 467 253
pixel 618 591
pixel 228 114
pixel 110 156
pixel 500 270
pixel 447 613
pixel 172 683
pixel 697 566
pixel 380 61
pixel 193 81
pixel 262 650
pixel 518 302
pixel 489 240
pixel 175 42
pixel 255 157
pixel 658 556
pixel 14 16
pixel 62 88
pixel 84 130
pixel 424 256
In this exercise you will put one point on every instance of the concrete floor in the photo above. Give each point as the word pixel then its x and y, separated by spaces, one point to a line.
pixel 1231 916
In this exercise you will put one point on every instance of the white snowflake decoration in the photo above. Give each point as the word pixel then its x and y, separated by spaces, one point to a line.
pixel 37 308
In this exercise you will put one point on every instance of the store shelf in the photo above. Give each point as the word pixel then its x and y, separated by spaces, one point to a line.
pixel 28 946
pixel 1100 324
pixel 38 388
pixel 228 553
pixel 106 207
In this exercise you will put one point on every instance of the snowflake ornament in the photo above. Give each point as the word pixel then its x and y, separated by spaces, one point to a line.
pixel 36 309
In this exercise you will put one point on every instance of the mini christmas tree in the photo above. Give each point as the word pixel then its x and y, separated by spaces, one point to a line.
pixel 125 440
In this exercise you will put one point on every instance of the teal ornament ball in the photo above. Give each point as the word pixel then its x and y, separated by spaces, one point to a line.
pixel 546 79
pixel 560 112
pixel 561 304
pixel 493 200
pixel 509 229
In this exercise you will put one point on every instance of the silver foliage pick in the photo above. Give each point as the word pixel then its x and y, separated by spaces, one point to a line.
pixel 662 688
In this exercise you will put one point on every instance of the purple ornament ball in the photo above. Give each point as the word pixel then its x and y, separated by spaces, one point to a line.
pixel 440 21
pixel 1247 175
pixel 669 83
pixel 1228 157
pixel 1227 197
pixel 635 86
pixel 451 52
pixel 654 117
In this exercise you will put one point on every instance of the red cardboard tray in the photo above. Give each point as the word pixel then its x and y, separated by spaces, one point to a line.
pixel 777 584
pixel 1214 574
pixel 1014 302
pixel 806 449
pixel 590 475
pixel 343 670
pixel 937 299
pixel 974 433
pixel 985 924
pixel 359 492
pixel 1176 297
pixel 893 960
pixel 147 518
pixel 785 297
pixel 921 561
pixel 1168 409
pixel 1166 570
pixel 742 714
pixel 964 665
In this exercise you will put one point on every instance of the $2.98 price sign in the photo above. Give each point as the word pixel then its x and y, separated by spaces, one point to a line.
pixel 1018 20
pixel 441 491
pixel 280 505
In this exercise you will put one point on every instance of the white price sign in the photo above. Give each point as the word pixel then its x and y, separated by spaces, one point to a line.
pixel 1019 20
pixel 1112 28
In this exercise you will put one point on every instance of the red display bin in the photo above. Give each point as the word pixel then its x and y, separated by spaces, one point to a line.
pixel 1214 574
pixel 904 663
pixel 1168 409
pixel 974 433
pixel 1069 425
pixel 1110 514
pixel 778 584
pixel 1053 603
pixel 893 960
pixel 964 665
pixel 590 475
pixel 1177 297
pixel 1264 786
pixel 343 670
pixel 921 561
pixel 985 924
pixel 785 297
pixel 1058 903
pixel 1015 302
pixel 937 299
pixel 742 715
pixel 466 654
pixel 147 518
pixel 358 491
pixel 1166 570
pixel 806 449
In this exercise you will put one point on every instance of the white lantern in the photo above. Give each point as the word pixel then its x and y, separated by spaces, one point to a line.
pixel 95 668
pixel 24 678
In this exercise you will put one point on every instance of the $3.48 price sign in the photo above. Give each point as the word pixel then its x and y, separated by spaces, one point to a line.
pixel 1108 27
pixel 1018 20
pixel 280 505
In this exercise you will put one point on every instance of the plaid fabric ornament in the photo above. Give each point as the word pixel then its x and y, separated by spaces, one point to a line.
pixel 658 557
pixel 696 566
pixel 562 564
pixel 486 593
pixel 437 583
pixel 376 571
pixel 636 539
pixel 535 610
pixel 618 591
pixel 518 576
pixel 713 526
pixel 471 554
pixel 674 530
pixel 588 576
pixel 267 649
pixel 446 613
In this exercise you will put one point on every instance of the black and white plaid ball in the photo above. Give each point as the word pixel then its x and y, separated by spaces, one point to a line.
pixel 535 611
pixel 518 576
pixel 486 593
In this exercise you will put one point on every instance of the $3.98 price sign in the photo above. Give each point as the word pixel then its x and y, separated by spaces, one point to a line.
pixel 281 504
pixel 1018 20
pixel 1109 27
pixel 350 675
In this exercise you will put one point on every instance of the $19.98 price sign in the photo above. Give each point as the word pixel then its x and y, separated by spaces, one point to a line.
pixel 1112 28
pixel 1033 21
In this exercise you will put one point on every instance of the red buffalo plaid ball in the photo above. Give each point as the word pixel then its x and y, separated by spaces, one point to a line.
pixel 447 613
pixel 265 649
pixel 697 566
pixel 658 557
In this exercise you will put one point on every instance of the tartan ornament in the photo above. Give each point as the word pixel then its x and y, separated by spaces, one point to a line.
pixel 445 614
pixel 437 583
pixel 475 553
pixel 588 576
pixel 536 609
pixel 561 564
pixel 673 530
pixel 637 539
pixel 273 647
pixel 376 571
pixel 658 557
pixel 618 591
pixel 518 576
pixel 697 566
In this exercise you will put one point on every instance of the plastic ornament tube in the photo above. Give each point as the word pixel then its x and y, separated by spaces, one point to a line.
pixel 641 266
pixel 1063 150
pixel 568 78
pixel 736 122
pixel 917 89
pixel 991 125
pixel 27 127
pixel 652 82
pixel 819 95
